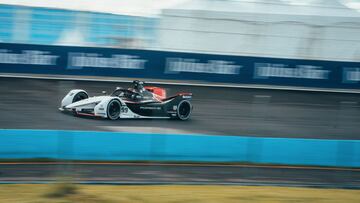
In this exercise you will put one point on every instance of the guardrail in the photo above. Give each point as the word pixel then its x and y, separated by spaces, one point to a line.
pixel 115 146
pixel 89 61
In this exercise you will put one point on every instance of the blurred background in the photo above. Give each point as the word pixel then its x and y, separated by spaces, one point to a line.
pixel 276 88
pixel 309 29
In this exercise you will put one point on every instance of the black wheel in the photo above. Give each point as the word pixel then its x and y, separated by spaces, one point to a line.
pixel 80 96
pixel 184 110
pixel 113 109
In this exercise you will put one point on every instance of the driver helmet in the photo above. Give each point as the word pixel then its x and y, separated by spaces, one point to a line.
pixel 138 85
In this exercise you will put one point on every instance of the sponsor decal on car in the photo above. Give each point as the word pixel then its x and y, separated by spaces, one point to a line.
pixel 150 107
pixel 124 109
pixel 187 96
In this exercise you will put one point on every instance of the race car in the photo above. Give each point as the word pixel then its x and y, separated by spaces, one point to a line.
pixel 137 102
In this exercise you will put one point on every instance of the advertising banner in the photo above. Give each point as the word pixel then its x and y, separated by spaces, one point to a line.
pixel 90 61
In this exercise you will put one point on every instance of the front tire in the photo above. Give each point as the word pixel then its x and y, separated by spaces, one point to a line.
pixel 184 110
pixel 113 109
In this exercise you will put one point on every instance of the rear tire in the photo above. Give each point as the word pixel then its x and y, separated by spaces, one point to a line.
pixel 80 96
pixel 113 109
pixel 184 110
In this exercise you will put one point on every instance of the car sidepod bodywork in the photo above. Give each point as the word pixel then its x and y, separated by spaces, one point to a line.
pixel 121 104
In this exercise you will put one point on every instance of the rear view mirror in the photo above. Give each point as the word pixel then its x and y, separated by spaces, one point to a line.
pixel 103 92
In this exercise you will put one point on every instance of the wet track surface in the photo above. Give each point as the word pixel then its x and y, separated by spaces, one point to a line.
pixel 33 104
pixel 131 173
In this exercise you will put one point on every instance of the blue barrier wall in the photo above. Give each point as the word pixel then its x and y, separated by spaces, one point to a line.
pixel 22 58
pixel 110 146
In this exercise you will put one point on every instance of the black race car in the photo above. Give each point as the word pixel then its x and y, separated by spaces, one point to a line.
pixel 137 102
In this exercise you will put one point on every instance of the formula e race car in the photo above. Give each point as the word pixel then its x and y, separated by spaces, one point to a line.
pixel 137 102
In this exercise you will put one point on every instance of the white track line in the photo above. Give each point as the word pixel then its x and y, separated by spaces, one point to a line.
pixel 146 129
pixel 348 102
pixel 270 87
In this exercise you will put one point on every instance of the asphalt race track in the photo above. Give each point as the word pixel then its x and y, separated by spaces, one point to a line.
pixel 140 173
pixel 33 104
